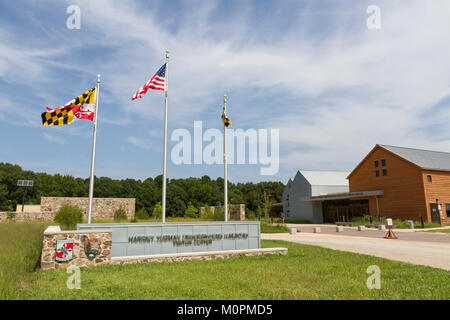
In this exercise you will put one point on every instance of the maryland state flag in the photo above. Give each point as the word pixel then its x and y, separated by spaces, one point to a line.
pixel 82 107
pixel 226 122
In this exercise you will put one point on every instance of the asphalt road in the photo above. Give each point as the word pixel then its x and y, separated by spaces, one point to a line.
pixel 416 251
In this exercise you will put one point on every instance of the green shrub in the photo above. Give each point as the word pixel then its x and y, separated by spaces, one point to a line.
pixel 11 215
pixel 270 228
pixel 219 214
pixel 134 220
pixel 251 215
pixel 191 211
pixel 68 216
pixel 207 214
pixel 120 214
pixel 157 211
pixel 142 214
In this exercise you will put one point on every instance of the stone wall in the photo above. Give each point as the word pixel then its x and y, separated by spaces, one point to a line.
pixel 102 208
pixel 213 255
pixel 27 216
pixel 235 211
pixel 100 240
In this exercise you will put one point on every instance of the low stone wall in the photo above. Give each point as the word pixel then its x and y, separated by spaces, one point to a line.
pixel 27 216
pixel 102 208
pixel 213 255
pixel 99 240
pixel 235 211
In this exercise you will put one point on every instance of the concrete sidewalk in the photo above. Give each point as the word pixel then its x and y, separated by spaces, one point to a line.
pixel 432 254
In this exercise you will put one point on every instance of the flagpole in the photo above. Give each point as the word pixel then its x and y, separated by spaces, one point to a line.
pixel 165 139
pixel 94 144
pixel 225 171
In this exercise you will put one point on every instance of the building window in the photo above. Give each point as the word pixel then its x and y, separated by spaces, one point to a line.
pixel 383 163
pixel 384 172
pixel 377 173
pixel 447 209
pixel 429 178
pixel 376 164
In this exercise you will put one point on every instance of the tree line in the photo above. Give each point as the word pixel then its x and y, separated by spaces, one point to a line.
pixel 181 193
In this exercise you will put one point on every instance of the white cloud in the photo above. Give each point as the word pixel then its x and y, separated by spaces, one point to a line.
pixel 141 143
pixel 346 87
pixel 54 138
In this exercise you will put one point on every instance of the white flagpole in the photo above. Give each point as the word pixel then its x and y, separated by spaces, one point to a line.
pixel 166 84
pixel 225 172
pixel 94 144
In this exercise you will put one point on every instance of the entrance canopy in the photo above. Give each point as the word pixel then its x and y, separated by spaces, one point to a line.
pixel 344 195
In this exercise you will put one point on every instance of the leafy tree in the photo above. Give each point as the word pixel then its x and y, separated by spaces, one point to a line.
pixel 142 214
pixel 267 203
pixel 191 211
pixel 199 192
pixel 157 211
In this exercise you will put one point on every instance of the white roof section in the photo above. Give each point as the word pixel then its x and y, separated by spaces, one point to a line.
pixel 326 178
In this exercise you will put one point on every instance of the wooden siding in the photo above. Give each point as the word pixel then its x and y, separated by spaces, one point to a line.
pixel 403 187
pixel 438 188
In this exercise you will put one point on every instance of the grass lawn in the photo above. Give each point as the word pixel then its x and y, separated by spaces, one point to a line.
pixel 273 228
pixel 307 272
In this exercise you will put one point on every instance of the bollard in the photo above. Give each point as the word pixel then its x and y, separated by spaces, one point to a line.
pixel 292 230
pixel 411 224
pixel 316 230
pixel 339 229
pixel 381 227
pixel 361 228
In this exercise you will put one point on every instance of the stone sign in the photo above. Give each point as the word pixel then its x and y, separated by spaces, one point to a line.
pixel 139 239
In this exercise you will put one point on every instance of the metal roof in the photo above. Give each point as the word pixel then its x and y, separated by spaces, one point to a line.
pixel 431 160
pixel 326 178
pixel 344 195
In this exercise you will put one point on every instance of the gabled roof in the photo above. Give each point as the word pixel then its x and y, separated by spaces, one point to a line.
pixel 326 178
pixel 424 159
pixel 428 160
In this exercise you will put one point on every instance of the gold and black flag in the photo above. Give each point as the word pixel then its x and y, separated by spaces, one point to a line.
pixel 58 117
pixel 82 107
pixel 226 122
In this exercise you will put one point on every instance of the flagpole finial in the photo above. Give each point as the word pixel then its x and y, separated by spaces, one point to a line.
pixel 98 78
pixel 167 54
pixel 224 98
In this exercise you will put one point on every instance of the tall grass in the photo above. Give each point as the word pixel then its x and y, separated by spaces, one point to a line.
pixel 20 249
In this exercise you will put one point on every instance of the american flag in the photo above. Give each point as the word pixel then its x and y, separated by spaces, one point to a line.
pixel 156 83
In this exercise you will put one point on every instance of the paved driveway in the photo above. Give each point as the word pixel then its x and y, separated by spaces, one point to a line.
pixel 427 253
pixel 403 234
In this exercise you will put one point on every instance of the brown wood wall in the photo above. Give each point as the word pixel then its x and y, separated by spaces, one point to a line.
pixel 403 187
pixel 438 188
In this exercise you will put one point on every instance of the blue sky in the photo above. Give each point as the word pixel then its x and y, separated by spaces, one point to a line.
pixel 312 69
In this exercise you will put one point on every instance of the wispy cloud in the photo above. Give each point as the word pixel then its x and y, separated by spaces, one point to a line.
pixel 333 87
pixel 141 143
pixel 54 138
